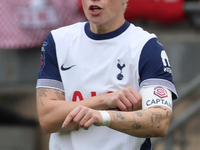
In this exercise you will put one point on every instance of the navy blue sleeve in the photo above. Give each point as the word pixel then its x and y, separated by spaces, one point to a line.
pixel 154 62
pixel 154 66
pixel 49 65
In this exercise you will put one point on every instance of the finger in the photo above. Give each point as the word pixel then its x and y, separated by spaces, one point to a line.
pixel 79 116
pixel 132 101
pixel 92 117
pixel 75 125
pixel 70 117
pixel 121 105
pixel 137 100
pixel 136 94
pixel 128 99
pixel 89 123
pixel 95 119
pixel 140 104
pixel 67 121
pixel 85 119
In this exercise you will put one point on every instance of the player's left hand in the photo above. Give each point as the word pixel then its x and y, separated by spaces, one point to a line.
pixel 83 117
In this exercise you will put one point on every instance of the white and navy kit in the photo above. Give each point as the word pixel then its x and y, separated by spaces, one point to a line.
pixel 84 64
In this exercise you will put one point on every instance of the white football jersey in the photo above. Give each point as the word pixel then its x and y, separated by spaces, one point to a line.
pixel 84 64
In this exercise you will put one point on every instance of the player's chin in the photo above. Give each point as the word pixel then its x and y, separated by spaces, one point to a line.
pixel 96 20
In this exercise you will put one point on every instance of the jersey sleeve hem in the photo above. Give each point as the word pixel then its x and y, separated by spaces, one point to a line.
pixel 49 83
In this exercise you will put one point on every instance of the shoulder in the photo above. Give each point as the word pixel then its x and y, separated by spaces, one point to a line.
pixel 137 39
pixel 68 30
pixel 138 36
pixel 140 33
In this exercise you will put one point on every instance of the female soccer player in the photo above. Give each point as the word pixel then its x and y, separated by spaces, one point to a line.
pixel 94 78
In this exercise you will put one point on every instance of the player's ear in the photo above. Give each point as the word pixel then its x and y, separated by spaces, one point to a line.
pixel 125 1
pixel 125 4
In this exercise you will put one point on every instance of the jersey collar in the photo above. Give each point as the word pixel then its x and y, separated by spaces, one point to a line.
pixel 105 36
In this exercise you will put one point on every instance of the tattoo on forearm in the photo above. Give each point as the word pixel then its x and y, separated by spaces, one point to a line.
pixel 156 119
pixel 60 95
pixel 118 116
pixel 136 125
pixel 160 107
pixel 167 113
pixel 139 114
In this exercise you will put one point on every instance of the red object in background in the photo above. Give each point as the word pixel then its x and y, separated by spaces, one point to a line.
pixel 161 11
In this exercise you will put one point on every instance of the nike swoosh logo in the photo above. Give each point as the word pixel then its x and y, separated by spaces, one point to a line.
pixel 64 69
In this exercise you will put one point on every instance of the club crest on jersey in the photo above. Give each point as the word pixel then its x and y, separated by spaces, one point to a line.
pixel 160 92
pixel 120 67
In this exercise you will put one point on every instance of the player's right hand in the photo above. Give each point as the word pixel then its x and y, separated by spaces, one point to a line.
pixel 127 99
pixel 83 117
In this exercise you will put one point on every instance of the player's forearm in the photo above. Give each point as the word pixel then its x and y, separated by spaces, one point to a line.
pixel 51 114
pixel 152 122
pixel 52 118
pixel 53 109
